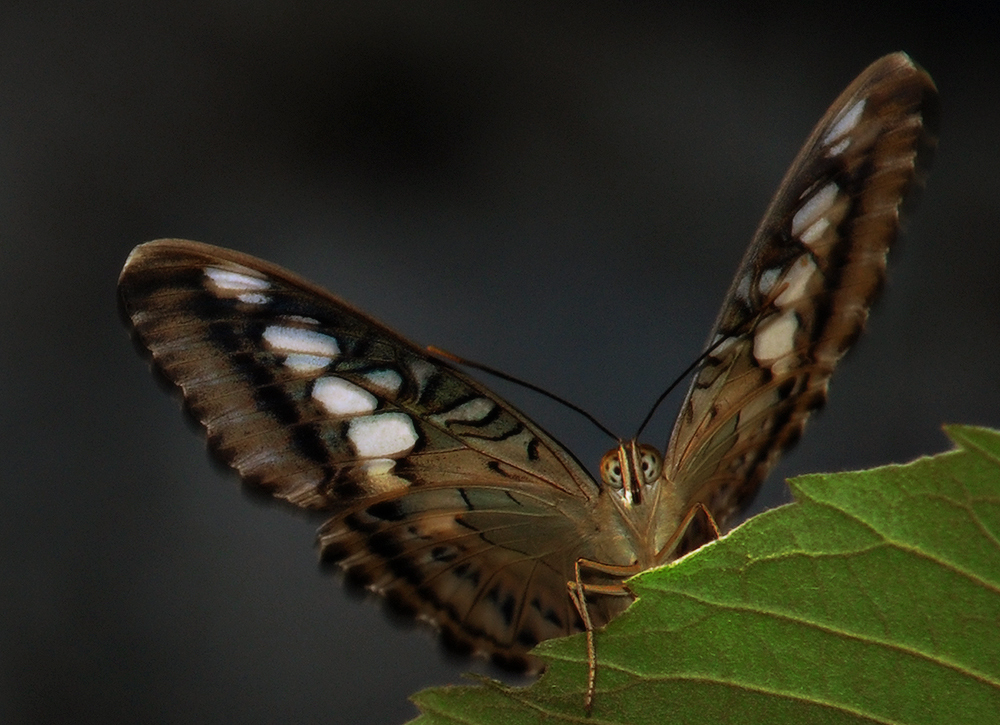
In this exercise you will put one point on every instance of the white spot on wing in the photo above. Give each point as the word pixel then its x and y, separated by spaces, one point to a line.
pixel 306 363
pixel 422 371
pixel 301 319
pixel 797 278
pixel 379 477
pixel 226 280
pixel 840 147
pixel 383 435
pixel 845 124
pixel 720 348
pixel 775 338
pixel 818 204
pixel 252 298
pixel 767 279
pixel 471 410
pixel 815 231
pixel 293 340
pixel 387 382
pixel 378 466
pixel 340 397
pixel 743 289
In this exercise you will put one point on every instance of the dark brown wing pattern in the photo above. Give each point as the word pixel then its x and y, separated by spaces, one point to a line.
pixel 442 498
pixel 802 292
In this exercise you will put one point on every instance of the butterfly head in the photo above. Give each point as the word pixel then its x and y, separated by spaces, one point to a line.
pixel 629 467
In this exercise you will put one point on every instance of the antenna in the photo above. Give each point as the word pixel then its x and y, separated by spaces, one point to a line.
pixel 572 406
pixel 670 388
pixel 524 384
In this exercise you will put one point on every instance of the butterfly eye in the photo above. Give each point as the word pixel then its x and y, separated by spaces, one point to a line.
pixel 651 462
pixel 611 469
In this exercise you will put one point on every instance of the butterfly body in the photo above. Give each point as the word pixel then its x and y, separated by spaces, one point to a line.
pixel 453 504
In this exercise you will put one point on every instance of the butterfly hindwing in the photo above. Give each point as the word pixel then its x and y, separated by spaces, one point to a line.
pixel 802 292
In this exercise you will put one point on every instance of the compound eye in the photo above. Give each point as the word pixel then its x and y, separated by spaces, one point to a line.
pixel 611 469
pixel 651 462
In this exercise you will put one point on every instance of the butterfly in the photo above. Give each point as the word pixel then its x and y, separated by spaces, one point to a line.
pixel 454 505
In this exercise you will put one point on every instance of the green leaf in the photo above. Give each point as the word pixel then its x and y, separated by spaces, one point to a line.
pixel 875 598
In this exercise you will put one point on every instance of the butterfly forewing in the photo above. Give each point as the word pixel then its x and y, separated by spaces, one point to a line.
pixel 442 496
pixel 451 503
pixel 802 292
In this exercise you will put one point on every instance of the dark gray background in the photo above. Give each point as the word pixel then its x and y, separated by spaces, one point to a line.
pixel 562 190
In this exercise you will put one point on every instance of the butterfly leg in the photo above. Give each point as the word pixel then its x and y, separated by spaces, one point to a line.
pixel 662 554
pixel 577 593
pixel 578 589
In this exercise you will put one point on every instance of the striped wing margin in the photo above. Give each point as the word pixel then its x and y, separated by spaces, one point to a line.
pixel 803 290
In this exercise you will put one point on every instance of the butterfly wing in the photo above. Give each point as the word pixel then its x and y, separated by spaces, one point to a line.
pixel 802 292
pixel 441 496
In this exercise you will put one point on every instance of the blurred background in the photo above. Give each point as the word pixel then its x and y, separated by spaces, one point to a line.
pixel 560 190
